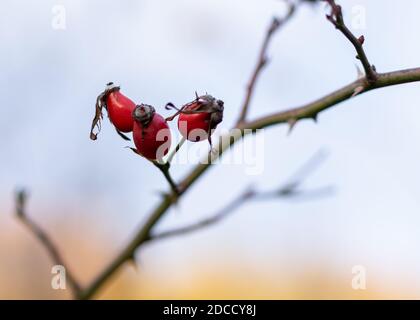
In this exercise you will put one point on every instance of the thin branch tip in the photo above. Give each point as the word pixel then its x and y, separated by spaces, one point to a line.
pixel 262 61
pixel 336 18
pixel 21 196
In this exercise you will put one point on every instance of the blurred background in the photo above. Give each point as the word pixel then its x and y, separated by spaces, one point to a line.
pixel 91 197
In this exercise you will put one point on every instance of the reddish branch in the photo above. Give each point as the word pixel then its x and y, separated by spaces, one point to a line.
pixel 262 60
pixel 336 18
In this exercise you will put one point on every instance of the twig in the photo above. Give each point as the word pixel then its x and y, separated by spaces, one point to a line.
pixel 289 189
pixel 227 210
pixel 164 168
pixel 336 18
pixel 42 236
pixel 276 23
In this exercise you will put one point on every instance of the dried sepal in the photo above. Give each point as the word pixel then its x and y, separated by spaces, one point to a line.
pixel 96 122
pixel 143 114
pixel 100 104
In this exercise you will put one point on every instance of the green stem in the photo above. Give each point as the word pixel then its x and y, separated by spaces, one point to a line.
pixel 173 153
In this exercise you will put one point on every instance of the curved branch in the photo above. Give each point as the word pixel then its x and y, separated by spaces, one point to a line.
pixel 42 236
pixel 310 110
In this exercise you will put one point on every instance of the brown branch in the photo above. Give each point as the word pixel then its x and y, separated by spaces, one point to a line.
pixel 336 18
pixel 223 213
pixel 311 110
pixel 45 240
pixel 276 23
pixel 287 190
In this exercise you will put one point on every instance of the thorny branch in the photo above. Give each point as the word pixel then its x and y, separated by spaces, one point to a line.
pixel 42 236
pixel 370 81
pixel 336 18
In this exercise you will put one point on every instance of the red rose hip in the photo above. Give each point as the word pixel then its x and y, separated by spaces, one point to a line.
pixel 151 133
pixel 198 118
pixel 119 108
pixel 194 127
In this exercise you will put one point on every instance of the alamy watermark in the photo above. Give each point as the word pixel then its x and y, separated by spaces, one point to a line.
pixel 58 21
pixel 358 281
pixel 58 281
pixel 250 154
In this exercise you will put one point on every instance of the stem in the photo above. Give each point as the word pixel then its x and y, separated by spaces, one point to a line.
pixel 172 154
pixel 165 170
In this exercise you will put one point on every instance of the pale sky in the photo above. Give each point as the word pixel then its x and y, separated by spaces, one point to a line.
pixel 160 51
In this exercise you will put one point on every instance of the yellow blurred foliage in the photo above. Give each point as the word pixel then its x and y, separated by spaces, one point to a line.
pixel 25 273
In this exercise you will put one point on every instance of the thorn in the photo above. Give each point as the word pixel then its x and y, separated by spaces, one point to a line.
pixel 264 61
pixel 168 197
pixel 162 194
pixel 134 150
pixel 357 91
pixel 315 117
pixel 360 74
pixel 292 122
pixel 132 260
